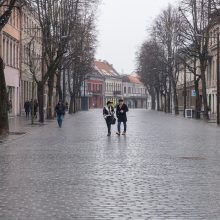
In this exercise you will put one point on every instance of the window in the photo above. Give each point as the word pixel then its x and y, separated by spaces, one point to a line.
pixel 14 56
pixel 129 90
pixel 11 54
pixel 7 52
pixel 89 87
pixel 124 90
pixel 17 57
pixel 3 48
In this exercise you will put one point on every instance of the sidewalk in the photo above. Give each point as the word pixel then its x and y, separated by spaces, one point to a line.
pixel 20 125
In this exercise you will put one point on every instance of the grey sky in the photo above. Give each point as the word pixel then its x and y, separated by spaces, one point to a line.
pixel 122 26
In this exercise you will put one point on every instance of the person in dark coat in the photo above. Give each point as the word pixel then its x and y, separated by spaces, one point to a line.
pixel 108 113
pixel 67 106
pixel 60 112
pixel 121 113
pixel 27 108
pixel 35 108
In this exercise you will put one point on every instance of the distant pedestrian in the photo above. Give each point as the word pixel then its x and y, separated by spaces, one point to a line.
pixel 27 108
pixel 108 114
pixel 35 108
pixel 10 106
pixel 121 111
pixel 67 106
pixel 60 112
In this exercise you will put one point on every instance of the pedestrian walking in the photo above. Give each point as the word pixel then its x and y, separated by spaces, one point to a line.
pixel 121 114
pixel 67 106
pixel 108 114
pixel 35 108
pixel 27 108
pixel 60 112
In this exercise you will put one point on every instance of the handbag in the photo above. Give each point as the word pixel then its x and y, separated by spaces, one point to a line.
pixel 113 121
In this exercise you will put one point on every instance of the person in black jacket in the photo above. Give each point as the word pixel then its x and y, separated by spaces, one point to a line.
pixel 27 108
pixel 60 111
pixel 121 111
pixel 108 114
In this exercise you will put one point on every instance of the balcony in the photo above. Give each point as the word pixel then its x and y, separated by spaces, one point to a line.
pixel 115 93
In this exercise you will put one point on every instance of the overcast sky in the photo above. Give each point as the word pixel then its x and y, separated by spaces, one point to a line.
pixel 122 27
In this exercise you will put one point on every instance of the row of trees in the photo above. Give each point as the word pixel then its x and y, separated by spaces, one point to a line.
pixel 179 39
pixel 68 39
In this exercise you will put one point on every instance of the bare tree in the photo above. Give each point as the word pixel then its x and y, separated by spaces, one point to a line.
pixel 196 15
pixel 83 48
pixel 6 10
pixel 167 32
pixel 152 70
pixel 32 60
pixel 56 20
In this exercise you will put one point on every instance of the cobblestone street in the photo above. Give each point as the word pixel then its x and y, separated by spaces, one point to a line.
pixel 166 167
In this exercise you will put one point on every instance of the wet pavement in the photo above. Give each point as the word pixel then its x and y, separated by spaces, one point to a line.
pixel 165 168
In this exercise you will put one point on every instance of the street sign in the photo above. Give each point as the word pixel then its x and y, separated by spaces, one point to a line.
pixel 193 93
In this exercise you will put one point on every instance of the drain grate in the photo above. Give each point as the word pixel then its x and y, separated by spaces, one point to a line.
pixel 17 133
pixel 193 158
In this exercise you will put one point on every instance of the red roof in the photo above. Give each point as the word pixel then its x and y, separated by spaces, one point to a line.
pixel 105 69
pixel 133 78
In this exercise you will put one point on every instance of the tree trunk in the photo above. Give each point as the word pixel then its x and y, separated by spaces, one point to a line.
pixel 169 99
pixel 40 94
pixel 204 93
pixel 158 100
pixel 165 103
pixel 59 92
pixel 4 124
pixel 153 100
pixel 74 103
pixel 71 104
pixel 175 99
pixel 50 98
pixel 198 104
pixel 162 103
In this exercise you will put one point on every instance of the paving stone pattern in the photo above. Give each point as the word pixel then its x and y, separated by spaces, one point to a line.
pixel 166 167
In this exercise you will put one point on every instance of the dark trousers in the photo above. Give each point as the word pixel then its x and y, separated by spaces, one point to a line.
pixel 27 113
pixel 119 126
pixel 60 120
pixel 109 124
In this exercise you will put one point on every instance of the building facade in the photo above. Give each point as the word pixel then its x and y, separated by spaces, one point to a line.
pixel 211 72
pixel 112 81
pixel 105 84
pixel 10 39
pixel 94 90
pixel 134 92
pixel 21 30
pixel 31 53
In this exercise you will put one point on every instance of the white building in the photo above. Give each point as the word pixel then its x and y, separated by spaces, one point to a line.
pixel 112 79
pixel 134 92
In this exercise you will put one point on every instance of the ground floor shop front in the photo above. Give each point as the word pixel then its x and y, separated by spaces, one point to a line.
pixel 12 78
